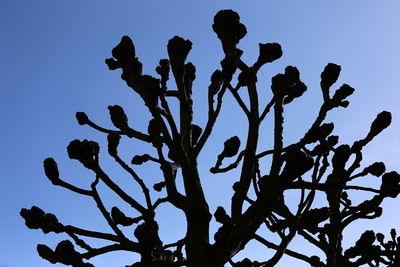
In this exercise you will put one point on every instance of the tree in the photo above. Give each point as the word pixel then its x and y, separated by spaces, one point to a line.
pixel 314 165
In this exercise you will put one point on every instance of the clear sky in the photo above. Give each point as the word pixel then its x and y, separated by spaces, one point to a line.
pixel 52 65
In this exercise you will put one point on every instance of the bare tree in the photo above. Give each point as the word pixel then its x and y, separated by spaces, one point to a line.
pixel 314 165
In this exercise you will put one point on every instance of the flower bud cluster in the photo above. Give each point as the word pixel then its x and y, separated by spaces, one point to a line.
pixel 113 142
pixel 124 57
pixel 85 151
pixel 381 122
pixel 231 147
pixel 338 99
pixel 35 218
pixel 330 75
pixel 288 85
pixel 390 186
pixel 120 218
pixel 64 253
pixel 228 28
pixel 269 52
pixel 247 263
pixel 178 50
pixel 297 163
pixel 163 70
pixel 216 82
pixel 375 169
pixel 118 117
pixel 51 170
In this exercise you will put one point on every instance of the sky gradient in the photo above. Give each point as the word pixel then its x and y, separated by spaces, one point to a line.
pixel 52 65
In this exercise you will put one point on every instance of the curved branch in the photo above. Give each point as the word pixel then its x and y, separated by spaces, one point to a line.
pixel 145 190
pixel 106 215
pixel 288 252
pixel 280 250
pixel 93 234
pixel 104 177
pixel 212 117
pixel 239 99
pixel 229 167
pixel 131 133
pixel 267 109
pixel 355 187
pixel 73 188
pixel 109 248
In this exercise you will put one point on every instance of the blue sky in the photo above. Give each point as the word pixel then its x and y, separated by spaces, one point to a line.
pixel 52 65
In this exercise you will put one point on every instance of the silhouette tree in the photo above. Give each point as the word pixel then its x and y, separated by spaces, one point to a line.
pixel 314 165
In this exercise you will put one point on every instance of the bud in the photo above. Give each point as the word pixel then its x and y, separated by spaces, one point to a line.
pixel 380 237
pixel 297 163
pixel 228 69
pixel 190 71
pixel 326 129
pixel 228 28
pixel 341 94
pixel 231 147
pixel 159 186
pixel 247 77
pixel 178 50
pixel 112 64
pixel 244 263
pixel 376 169
pixel 140 159
pixel 236 186
pixel 189 77
pixel 120 218
pixel 163 69
pixel 118 117
pixel 330 75
pixel 216 77
pixel 125 50
pixel 66 254
pixel 393 233
pixel 269 52
pixel 125 58
pixel 149 89
pixel 320 133
pixel 341 156
pixel 279 85
pixel 51 170
pixel 46 253
pixel 310 219
pixel 147 233
pixel 35 218
pixel 295 91
pixel 366 239
pixel 344 104
pixel 345 198
pixel 132 69
pixel 390 184
pixel 85 151
pixel 381 122
pixel 216 82
pixel 154 131
pixel 82 118
pixel 292 74
pixel 221 216
pixel 315 261
pixel 113 142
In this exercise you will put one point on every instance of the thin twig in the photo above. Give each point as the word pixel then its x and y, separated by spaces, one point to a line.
pixel 267 109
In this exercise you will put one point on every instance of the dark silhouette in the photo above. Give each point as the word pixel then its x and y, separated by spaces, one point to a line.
pixel 316 164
